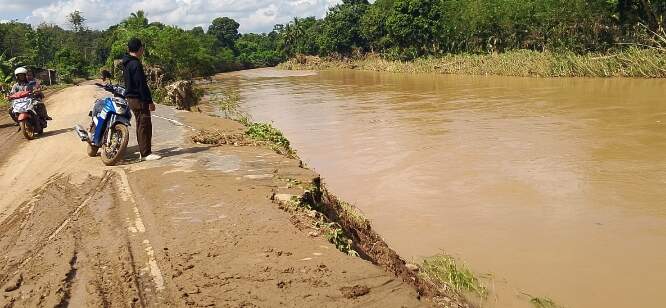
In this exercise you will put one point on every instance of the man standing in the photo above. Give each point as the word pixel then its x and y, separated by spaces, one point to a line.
pixel 139 97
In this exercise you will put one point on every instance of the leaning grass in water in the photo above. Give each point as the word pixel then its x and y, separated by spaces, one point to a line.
pixel 444 270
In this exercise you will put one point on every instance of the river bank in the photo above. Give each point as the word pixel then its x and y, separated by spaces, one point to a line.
pixel 528 180
pixel 206 225
pixel 634 62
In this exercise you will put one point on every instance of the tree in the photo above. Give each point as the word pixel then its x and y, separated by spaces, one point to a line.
pixel 136 20
pixel 642 11
pixel 42 43
pixel 300 36
pixel 373 26
pixel 342 28
pixel 15 41
pixel 77 21
pixel 198 31
pixel 258 50
pixel 355 2
pixel 225 30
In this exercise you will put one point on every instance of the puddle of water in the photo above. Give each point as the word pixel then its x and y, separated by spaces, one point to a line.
pixel 224 163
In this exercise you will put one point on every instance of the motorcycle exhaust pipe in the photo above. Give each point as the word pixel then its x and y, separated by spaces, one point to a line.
pixel 82 133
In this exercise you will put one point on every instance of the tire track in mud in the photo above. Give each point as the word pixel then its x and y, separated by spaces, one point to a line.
pixel 66 289
pixel 75 214
pixel 24 216
pixel 77 246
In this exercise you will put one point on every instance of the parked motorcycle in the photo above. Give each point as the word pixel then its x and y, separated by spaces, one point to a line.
pixel 108 130
pixel 23 111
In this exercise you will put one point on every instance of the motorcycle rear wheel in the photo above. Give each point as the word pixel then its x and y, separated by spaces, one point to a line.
pixel 27 129
pixel 114 152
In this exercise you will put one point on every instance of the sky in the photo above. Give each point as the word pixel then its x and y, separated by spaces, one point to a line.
pixel 253 15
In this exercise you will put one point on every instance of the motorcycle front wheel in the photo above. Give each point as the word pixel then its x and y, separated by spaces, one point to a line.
pixel 92 150
pixel 27 129
pixel 114 150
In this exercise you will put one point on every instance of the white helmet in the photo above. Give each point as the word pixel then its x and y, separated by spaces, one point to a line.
pixel 20 70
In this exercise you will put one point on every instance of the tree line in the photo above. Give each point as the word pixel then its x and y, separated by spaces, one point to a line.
pixel 395 29
pixel 406 29
pixel 80 52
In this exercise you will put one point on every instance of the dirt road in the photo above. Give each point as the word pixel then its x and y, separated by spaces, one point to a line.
pixel 194 229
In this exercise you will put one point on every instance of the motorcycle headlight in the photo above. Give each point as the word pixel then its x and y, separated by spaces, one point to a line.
pixel 121 109
pixel 121 105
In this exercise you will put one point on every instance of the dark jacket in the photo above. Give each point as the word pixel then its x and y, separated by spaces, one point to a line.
pixel 136 85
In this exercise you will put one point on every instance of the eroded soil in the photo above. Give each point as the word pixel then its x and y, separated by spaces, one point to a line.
pixel 197 228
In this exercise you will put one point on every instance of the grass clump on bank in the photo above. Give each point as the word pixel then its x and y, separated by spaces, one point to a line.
pixel 444 270
pixel 266 132
pixel 331 230
pixel 255 134
pixel 228 103
pixel 632 62
pixel 336 236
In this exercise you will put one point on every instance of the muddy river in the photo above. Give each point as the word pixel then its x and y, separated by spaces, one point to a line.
pixel 553 187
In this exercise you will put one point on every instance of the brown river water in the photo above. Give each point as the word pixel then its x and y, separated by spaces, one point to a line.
pixel 554 187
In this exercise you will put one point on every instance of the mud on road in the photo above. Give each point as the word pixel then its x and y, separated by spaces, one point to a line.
pixel 197 228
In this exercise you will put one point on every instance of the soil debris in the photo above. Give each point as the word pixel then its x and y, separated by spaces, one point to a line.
pixel 355 291
pixel 15 283
pixel 215 137
pixel 182 94
pixel 412 267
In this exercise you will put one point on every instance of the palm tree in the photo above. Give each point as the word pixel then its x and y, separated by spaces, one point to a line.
pixel 137 19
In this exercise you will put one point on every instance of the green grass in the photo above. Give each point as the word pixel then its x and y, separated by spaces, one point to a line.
pixel 543 302
pixel 266 132
pixel 631 62
pixel 351 212
pixel 444 270
pixel 331 230
pixel 336 236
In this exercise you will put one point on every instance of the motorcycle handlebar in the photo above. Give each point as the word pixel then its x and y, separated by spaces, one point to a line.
pixel 111 89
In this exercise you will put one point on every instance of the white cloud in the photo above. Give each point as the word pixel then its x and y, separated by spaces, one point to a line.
pixel 253 15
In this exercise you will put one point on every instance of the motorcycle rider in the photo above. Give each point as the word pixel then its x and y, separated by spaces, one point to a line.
pixel 24 83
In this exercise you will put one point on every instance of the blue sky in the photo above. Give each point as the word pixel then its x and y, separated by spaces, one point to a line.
pixel 253 15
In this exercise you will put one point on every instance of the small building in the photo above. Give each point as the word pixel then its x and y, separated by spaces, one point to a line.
pixel 45 76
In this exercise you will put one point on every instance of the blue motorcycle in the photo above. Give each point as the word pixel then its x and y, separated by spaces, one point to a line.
pixel 109 128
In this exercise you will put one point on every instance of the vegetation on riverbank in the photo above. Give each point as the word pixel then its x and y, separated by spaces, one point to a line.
pixel 410 29
pixel 506 37
pixel 633 62
pixel 443 269
pixel 172 53
pixel 562 38
pixel 78 51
